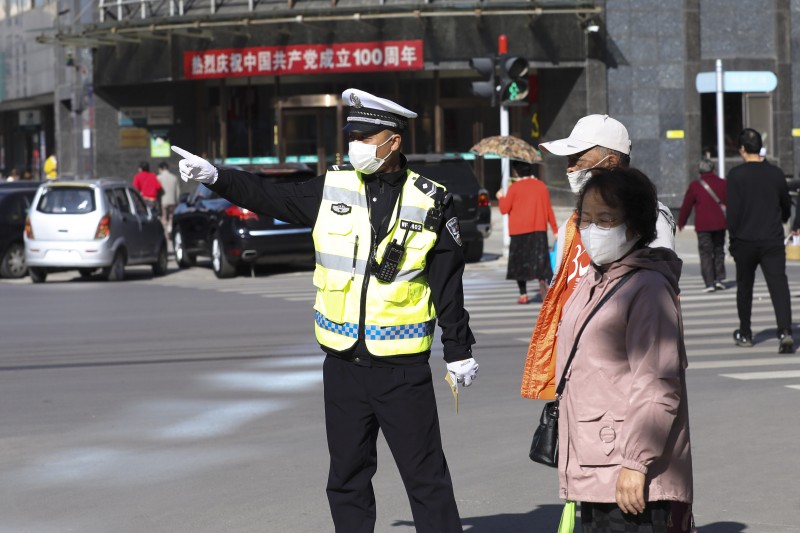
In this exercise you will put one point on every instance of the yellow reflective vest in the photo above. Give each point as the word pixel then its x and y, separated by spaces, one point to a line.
pixel 400 317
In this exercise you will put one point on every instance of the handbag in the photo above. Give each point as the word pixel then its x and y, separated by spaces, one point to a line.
pixel 544 446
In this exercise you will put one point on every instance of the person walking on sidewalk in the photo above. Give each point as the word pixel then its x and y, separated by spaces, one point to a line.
pixel 758 206
pixel 529 211
pixel 707 196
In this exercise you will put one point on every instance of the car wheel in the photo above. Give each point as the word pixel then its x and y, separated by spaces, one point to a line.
pixel 38 275
pixel 182 257
pixel 160 266
pixel 13 263
pixel 473 251
pixel 86 272
pixel 222 267
pixel 116 272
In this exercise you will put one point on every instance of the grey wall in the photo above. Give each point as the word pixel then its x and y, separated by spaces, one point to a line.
pixel 646 87
pixel 755 37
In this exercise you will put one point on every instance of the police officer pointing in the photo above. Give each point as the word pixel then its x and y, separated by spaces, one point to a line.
pixel 389 265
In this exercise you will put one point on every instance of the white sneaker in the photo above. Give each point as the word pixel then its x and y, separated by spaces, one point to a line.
pixel 710 288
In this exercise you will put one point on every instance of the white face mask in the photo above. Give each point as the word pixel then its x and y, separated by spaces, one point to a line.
pixel 364 156
pixel 577 178
pixel 606 245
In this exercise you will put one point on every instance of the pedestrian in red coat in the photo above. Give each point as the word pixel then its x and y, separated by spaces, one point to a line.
pixel 707 195
pixel 148 185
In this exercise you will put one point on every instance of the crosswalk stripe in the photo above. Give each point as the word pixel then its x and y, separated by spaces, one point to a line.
pixel 733 363
pixel 776 374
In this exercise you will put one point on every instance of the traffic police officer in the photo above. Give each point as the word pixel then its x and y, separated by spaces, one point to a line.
pixel 389 265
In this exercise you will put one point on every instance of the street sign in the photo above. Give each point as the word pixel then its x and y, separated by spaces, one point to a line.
pixel 738 81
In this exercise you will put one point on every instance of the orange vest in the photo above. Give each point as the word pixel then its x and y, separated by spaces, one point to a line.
pixel 539 375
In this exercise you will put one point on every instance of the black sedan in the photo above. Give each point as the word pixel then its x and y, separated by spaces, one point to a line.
pixel 204 224
pixel 15 199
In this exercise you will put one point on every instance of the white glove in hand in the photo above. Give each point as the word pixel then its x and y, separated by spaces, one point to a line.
pixel 195 168
pixel 463 372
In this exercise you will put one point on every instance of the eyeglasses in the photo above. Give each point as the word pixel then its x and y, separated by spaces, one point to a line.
pixel 603 222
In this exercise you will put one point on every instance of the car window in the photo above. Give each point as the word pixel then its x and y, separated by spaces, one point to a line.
pixel 67 200
pixel 204 193
pixel 138 203
pixel 110 200
pixel 13 209
pixel 121 200
pixel 456 176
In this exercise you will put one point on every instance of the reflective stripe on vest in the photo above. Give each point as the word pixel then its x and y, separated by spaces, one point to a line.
pixel 400 318
pixel 407 331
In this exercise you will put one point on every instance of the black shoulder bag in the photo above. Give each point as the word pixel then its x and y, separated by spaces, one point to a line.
pixel 544 448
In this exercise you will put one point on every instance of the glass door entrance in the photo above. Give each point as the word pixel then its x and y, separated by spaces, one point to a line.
pixel 309 130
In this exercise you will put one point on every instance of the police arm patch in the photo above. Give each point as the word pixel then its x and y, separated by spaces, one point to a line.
pixel 454 229
pixel 341 208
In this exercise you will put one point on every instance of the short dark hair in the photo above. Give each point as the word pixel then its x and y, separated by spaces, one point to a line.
pixel 631 191
pixel 163 165
pixel 523 169
pixel 144 165
pixel 750 140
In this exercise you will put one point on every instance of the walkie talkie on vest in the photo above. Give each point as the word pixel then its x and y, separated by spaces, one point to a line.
pixel 392 255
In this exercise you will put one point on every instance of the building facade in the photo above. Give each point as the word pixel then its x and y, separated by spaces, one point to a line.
pixel 245 81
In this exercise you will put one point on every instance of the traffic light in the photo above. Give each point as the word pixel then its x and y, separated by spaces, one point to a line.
pixel 513 85
pixel 486 68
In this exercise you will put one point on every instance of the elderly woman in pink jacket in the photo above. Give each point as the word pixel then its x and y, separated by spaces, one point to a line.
pixel 624 449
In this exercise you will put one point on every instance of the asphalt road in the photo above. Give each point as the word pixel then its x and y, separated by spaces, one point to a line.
pixel 190 404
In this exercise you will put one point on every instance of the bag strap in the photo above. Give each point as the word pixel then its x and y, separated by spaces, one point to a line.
pixel 563 382
pixel 710 191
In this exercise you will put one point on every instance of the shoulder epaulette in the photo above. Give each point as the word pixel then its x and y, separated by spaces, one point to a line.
pixel 344 166
pixel 432 190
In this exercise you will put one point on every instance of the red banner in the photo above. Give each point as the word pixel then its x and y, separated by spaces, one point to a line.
pixel 377 56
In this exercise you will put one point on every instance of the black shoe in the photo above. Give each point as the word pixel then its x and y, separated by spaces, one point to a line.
pixel 786 342
pixel 743 339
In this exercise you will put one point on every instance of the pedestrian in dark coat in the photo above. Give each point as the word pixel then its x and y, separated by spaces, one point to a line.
pixel 758 206
pixel 707 196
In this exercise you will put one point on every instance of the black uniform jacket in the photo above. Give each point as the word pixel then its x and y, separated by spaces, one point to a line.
pixel 299 203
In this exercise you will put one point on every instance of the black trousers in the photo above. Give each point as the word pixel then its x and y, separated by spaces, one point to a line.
pixel 772 258
pixel 399 400
pixel 711 245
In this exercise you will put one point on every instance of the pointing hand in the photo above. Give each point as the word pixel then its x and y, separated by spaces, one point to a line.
pixel 195 168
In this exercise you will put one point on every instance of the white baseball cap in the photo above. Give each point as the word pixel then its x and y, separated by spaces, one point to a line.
pixel 590 131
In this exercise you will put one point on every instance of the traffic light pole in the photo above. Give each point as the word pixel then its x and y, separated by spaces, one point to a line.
pixel 505 172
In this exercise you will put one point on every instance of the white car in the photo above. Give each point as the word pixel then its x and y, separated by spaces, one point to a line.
pixel 86 225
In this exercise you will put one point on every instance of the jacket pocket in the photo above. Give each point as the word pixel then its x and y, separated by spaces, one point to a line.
pixel 596 441
pixel 341 225
pixel 332 294
pixel 600 413
pixel 396 293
